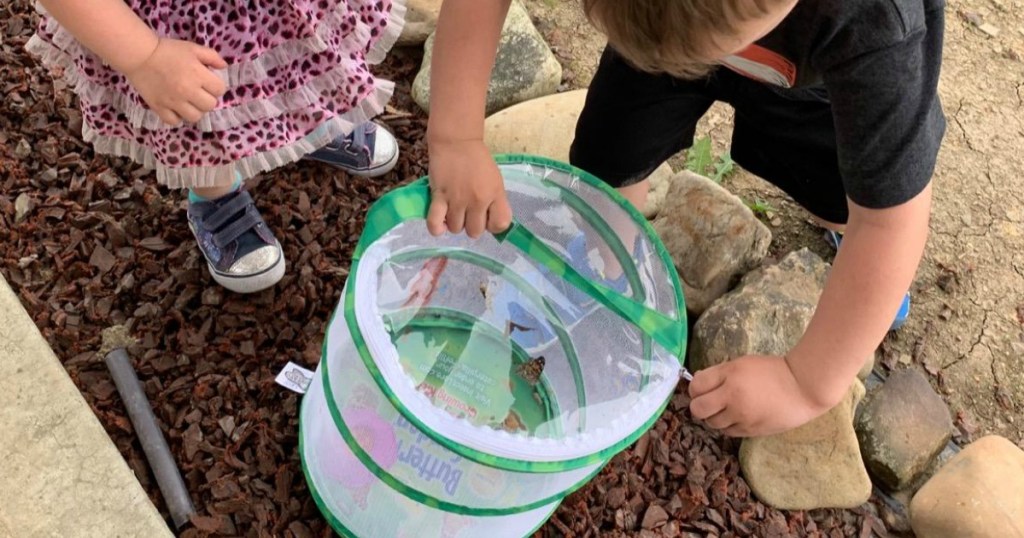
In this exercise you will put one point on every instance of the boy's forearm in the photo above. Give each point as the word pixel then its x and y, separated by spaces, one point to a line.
pixel 465 46
pixel 108 28
pixel 880 254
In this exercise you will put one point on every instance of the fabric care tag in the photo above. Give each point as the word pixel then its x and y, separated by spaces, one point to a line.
pixel 295 378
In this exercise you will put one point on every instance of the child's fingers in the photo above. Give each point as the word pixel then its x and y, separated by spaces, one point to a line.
pixel 721 420
pixel 435 217
pixel 210 58
pixel 213 84
pixel 706 380
pixel 203 101
pixel 189 113
pixel 476 221
pixel 709 405
pixel 456 218
pixel 168 116
pixel 499 215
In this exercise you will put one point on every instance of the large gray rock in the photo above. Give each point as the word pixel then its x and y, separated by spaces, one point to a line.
pixel 902 426
pixel 546 127
pixel 817 465
pixel 766 314
pixel 420 21
pixel 524 69
pixel 977 493
pixel 712 235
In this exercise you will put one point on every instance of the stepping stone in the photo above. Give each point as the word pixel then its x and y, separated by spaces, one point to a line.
pixel 977 493
pixel 817 465
pixel 525 67
pixel 712 235
pixel 902 427
pixel 420 22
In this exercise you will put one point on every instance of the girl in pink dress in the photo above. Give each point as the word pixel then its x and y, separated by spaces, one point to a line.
pixel 210 94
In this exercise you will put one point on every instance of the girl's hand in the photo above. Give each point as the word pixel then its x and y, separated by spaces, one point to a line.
pixel 176 80
pixel 467 191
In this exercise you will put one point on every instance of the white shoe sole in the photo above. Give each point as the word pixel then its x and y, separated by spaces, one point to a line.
pixel 379 170
pixel 250 283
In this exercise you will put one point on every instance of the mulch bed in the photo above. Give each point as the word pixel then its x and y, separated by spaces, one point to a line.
pixel 102 246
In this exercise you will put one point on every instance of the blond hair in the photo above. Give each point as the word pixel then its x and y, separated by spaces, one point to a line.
pixel 671 36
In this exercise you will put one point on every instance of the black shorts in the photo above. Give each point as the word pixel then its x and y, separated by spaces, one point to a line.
pixel 634 121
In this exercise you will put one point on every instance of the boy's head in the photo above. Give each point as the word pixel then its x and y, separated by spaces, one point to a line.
pixel 683 37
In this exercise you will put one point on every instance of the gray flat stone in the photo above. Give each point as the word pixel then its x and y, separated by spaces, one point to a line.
pixel 524 69
pixel 766 314
pixel 712 235
pixel 902 426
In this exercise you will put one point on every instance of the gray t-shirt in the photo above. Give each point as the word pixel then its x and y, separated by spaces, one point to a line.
pixel 879 62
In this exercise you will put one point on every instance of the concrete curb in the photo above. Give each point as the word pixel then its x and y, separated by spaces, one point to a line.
pixel 60 474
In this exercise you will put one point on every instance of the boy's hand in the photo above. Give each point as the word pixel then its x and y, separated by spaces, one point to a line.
pixel 176 80
pixel 466 190
pixel 751 396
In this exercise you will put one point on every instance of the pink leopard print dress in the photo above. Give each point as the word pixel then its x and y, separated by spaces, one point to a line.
pixel 297 77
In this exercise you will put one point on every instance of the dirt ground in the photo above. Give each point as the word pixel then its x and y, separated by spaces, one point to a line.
pixel 965 328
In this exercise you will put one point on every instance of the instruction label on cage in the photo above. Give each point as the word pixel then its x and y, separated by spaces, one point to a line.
pixel 473 375
pixel 295 378
pixel 422 456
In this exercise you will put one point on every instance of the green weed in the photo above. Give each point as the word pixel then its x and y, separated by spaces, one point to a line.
pixel 760 206
pixel 701 160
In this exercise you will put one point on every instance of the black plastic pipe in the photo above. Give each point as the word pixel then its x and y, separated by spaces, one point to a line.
pixel 168 477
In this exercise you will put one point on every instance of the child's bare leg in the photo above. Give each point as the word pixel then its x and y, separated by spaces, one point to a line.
pixel 838 228
pixel 212 193
pixel 636 194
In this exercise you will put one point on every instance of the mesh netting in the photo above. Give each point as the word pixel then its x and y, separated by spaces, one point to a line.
pixel 357 503
pixel 467 385
pixel 500 352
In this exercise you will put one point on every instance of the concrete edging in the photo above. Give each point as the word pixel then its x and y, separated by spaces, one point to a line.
pixel 60 474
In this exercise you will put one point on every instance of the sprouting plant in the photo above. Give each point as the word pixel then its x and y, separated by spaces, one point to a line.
pixel 723 167
pixel 699 157
pixel 701 160
pixel 760 207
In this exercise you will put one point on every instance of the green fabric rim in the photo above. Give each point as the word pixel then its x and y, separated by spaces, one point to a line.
pixel 419 496
pixel 411 202
pixel 333 520
pixel 624 257
pixel 633 212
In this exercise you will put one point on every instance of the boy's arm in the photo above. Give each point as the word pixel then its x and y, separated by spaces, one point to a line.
pixel 755 395
pixel 466 187
pixel 881 251
pixel 108 28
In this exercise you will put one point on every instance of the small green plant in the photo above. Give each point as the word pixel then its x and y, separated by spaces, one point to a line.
pixel 760 207
pixel 723 167
pixel 700 159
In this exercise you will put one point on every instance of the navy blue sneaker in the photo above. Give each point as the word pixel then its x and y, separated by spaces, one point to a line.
pixel 835 239
pixel 367 151
pixel 240 250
